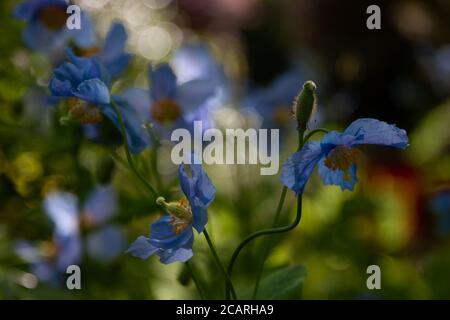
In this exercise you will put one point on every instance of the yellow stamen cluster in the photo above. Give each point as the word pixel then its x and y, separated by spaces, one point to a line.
pixel 342 158
pixel 180 211
pixel 84 112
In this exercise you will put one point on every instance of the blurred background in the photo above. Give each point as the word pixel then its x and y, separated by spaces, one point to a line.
pixel 398 217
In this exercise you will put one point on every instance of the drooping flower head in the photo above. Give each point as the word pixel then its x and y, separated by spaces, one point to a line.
pixel 336 154
pixel 171 237
pixel 85 83
pixel 46 29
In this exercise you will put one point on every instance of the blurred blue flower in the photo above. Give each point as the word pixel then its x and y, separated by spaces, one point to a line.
pixel 86 83
pixel 274 103
pixel 171 237
pixel 104 242
pixel 336 156
pixel 101 205
pixel 46 29
pixel 112 54
pixel 169 104
pixel 195 61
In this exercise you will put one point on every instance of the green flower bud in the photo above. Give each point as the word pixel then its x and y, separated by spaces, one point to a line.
pixel 304 104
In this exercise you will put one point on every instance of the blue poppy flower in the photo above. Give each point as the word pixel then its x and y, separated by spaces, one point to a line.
pixel 171 237
pixel 85 82
pixel 336 154
pixel 46 29
pixel 170 105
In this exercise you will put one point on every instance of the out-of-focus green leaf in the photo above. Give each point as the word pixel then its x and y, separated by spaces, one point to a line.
pixel 285 283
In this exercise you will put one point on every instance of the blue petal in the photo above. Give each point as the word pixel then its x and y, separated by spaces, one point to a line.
pixel 41 39
pixel 200 214
pixel 101 204
pixel 141 248
pixel 199 185
pixel 62 209
pixel 25 10
pixel 378 132
pixel 194 94
pixel 69 251
pixel 84 37
pixel 28 9
pixel 200 192
pixel 139 100
pixel 163 237
pixel 298 167
pixel 106 244
pixel 176 255
pixel 194 61
pixel 113 54
pixel 279 94
pixel 94 91
pixel 163 82
pixel 26 251
pixel 69 72
pixel 336 177
pixel 60 88
pixel 137 137
pixel 335 138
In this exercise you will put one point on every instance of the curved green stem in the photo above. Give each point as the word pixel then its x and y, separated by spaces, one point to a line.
pixel 255 235
pixel 128 153
pixel 220 265
pixel 265 233
pixel 313 132
pixel 268 243
pixel 194 278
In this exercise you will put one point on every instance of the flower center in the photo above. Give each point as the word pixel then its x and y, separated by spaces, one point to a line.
pixel 86 52
pixel 53 17
pixel 282 115
pixel 181 215
pixel 84 112
pixel 165 110
pixel 342 158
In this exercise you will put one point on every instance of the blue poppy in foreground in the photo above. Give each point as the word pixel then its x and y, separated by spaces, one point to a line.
pixel 171 237
pixel 85 82
pixel 336 154
pixel 170 105
pixel 46 30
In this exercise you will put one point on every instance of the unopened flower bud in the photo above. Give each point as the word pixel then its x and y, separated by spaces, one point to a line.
pixel 304 104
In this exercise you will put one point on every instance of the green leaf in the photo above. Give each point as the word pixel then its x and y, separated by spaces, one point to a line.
pixel 285 283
